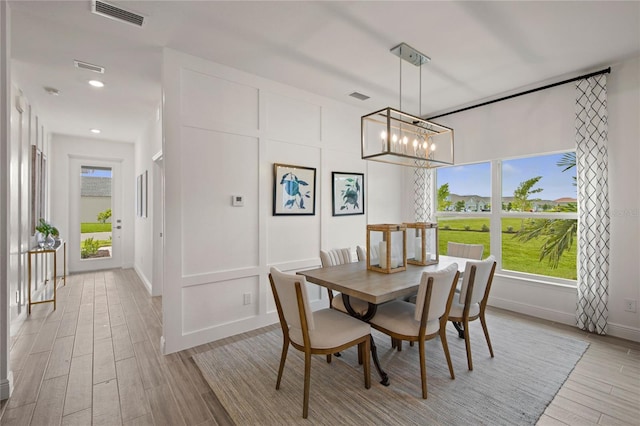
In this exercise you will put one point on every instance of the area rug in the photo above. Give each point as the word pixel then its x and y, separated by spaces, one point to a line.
pixel 531 363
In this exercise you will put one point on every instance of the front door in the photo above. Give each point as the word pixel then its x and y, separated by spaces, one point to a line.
pixel 95 227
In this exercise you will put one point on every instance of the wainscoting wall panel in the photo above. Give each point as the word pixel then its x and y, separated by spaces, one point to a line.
pixel 213 304
pixel 291 119
pixel 216 235
pixel 209 102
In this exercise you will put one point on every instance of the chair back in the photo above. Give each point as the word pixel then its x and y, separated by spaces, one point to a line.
pixel 469 251
pixel 285 294
pixel 444 282
pixel 335 257
pixel 482 278
pixel 362 253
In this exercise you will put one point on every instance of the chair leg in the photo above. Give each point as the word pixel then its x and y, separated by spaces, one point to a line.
pixel 360 355
pixel 486 332
pixel 423 369
pixel 467 343
pixel 328 358
pixel 396 344
pixel 307 383
pixel 283 358
pixel 445 347
pixel 411 343
pixel 365 348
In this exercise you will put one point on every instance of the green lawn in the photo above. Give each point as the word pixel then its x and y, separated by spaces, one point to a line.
pixel 87 227
pixel 516 256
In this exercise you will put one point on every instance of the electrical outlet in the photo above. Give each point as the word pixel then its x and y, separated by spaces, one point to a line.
pixel 630 305
pixel 246 298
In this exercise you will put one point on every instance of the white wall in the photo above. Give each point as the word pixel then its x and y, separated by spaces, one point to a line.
pixel 544 122
pixel 223 130
pixel 64 149
pixel 6 377
pixel 149 144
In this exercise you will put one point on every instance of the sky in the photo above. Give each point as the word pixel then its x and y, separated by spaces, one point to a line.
pixel 475 179
pixel 96 171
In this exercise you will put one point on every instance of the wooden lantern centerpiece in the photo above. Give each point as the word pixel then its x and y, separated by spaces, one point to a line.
pixel 423 238
pixel 387 248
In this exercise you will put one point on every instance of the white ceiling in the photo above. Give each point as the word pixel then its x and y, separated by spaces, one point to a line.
pixel 478 50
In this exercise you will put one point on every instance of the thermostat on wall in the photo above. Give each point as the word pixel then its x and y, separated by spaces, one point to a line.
pixel 237 200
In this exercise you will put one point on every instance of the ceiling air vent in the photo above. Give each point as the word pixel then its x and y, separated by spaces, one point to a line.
pixel 88 66
pixel 359 96
pixel 113 12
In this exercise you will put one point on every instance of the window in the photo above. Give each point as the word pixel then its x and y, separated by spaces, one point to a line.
pixel 464 188
pixel 535 216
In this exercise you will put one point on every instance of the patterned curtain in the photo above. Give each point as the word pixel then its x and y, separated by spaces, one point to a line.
pixel 593 202
pixel 422 178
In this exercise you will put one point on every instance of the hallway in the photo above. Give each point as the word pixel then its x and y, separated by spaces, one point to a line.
pixel 96 360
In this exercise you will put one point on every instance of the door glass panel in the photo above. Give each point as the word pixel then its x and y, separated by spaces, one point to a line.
pixel 95 212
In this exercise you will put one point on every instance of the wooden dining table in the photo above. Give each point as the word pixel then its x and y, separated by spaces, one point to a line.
pixel 355 280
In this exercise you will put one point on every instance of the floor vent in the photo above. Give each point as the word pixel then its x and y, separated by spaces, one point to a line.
pixel 359 96
pixel 88 66
pixel 113 12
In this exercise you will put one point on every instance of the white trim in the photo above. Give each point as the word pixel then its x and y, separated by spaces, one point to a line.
pixel 6 386
pixel 624 332
pixel 143 278
pixel 534 311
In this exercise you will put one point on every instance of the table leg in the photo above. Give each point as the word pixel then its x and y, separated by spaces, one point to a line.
pixel 458 326
pixel 55 278
pixel 64 264
pixel 29 284
pixel 374 350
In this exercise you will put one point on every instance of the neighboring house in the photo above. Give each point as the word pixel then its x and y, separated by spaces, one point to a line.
pixel 476 203
pixel 95 197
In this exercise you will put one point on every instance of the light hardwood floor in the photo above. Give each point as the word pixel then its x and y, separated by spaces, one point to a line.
pixel 95 360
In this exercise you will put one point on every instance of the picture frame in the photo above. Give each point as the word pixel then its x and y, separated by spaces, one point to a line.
pixel 347 193
pixel 294 190
pixel 139 195
pixel 145 194
pixel 38 187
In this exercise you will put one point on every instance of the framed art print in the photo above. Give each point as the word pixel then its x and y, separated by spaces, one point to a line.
pixel 348 193
pixel 294 190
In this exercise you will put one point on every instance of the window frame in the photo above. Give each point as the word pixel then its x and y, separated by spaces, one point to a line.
pixel 497 214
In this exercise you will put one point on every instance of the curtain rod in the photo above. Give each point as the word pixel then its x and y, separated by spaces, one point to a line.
pixel 526 92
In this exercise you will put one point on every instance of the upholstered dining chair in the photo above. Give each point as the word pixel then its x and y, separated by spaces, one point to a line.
pixel 471 303
pixel 340 257
pixel 321 332
pixel 425 320
pixel 469 251
pixel 361 252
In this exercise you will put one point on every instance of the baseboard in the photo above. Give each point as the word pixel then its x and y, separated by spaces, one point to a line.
pixel 615 330
pixel 143 278
pixel 6 387
pixel 624 332
pixel 534 311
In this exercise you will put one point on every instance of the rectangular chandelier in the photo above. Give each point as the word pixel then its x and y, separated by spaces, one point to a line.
pixel 393 136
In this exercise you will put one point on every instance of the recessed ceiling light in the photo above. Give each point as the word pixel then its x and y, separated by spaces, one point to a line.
pixel 96 83
pixel 96 131
pixel 52 91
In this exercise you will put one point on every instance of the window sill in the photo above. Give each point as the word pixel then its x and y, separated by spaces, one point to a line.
pixel 537 279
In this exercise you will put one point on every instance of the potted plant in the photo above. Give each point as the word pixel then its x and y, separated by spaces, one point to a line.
pixel 48 233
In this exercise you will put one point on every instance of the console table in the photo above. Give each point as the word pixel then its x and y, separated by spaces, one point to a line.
pixel 43 252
